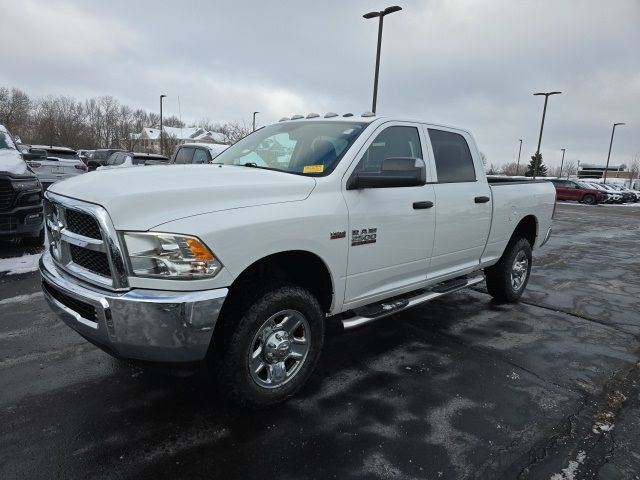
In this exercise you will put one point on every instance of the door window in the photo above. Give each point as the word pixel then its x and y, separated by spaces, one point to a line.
pixel 392 142
pixel 185 154
pixel 200 156
pixel 452 157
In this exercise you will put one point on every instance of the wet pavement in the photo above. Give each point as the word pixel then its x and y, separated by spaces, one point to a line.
pixel 459 388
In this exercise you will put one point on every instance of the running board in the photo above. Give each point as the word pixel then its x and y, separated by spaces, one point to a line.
pixel 371 313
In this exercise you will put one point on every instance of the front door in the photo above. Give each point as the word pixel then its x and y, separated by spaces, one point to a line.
pixel 390 238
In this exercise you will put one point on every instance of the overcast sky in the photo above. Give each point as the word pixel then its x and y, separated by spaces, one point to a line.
pixel 468 63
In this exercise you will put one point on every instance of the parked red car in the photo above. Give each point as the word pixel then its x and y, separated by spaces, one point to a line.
pixel 570 190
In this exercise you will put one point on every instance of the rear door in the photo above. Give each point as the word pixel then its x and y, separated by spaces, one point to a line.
pixel 463 203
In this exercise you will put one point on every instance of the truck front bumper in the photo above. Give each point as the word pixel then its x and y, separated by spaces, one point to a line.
pixel 146 325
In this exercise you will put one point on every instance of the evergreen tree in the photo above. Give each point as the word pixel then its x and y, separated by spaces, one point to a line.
pixel 542 169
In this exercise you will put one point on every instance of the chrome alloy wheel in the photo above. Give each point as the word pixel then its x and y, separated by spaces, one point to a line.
pixel 279 348
pixel 519 270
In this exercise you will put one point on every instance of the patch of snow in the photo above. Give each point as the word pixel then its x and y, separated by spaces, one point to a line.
pixel 20 298
pixel 11 161
pixel 17 265
pixel 514 376
pixel 569 473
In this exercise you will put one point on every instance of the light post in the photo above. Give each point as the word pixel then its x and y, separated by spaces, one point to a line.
pixel 161 143
pixel 380 16
pixel 544 112
pixel 518 164
pixel 609 155
pixel 254 121
pixel 561 162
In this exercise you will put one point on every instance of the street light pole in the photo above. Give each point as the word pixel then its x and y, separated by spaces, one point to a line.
pixel 609 155
pixel 254 121
pixel 380 16
pixel 161 143
pixel 561 162
pixel 518 164
pixel 544 112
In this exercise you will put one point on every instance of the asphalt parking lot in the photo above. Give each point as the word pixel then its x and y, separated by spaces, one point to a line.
pixel 459 388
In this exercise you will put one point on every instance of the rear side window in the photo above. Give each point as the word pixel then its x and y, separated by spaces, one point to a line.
pixel 453 157
pixel 392 142
pixel 184 155
pixel 200 156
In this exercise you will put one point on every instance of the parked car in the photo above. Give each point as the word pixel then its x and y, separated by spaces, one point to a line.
pixel 197 152
pixel 85 155
pixel 580 192
pixel 613 195
pixel 243 266
pixel 60 163
pixel 131 159
pixel 627 195
pixel 21 210
pixel 100 156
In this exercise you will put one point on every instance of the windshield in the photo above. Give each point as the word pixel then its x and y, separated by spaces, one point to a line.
pixel 6 142
pixel 307 148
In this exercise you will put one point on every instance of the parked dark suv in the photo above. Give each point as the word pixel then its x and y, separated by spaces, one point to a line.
pixel 100 156
pixel 21 210
pixel 570 190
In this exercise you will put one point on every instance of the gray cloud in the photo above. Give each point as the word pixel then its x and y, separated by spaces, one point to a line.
pixel 463 62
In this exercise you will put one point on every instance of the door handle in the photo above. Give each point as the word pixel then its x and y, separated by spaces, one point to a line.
pixel 481 199
pixel 422 205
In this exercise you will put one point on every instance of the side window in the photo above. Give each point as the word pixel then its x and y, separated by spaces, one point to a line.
pixel 453 157
pixel 200 156
pixel 392 142
pixel 185 154
pixel 113 159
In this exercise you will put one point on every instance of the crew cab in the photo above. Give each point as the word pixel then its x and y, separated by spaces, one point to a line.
pixel 197 153
pixel 578 191
pixel 21 211
pixel 241 266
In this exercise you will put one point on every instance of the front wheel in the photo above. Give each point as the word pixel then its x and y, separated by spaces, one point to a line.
pixel 274 347
pixel 507 279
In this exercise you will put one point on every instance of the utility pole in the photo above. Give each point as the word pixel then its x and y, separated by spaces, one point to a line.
pixel 161 138
pixel 561 163
pixel 518 164
pixel 254 121
pixel 609 155
pixel 544 112
pixel 380 16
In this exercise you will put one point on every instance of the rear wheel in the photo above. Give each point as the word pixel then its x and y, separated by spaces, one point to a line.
pixel 273 348
pixel 507 279
pixel 589 199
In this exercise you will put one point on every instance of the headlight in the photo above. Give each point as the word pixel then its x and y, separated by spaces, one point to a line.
pixel 167 255
pixel 23 185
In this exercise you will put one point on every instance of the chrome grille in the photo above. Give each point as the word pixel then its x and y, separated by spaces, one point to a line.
pixel 93 261
pixel 7 195
pixel 82 224
pixel 83 242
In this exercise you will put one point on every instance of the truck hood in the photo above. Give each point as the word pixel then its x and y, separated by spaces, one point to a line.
pixel 142 198
pixel 11 162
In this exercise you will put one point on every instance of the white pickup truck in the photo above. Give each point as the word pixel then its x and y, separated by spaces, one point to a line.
pixel 239 265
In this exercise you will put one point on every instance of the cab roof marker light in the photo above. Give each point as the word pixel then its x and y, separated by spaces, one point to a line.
pixel 313 115
pixel 297 117
pixel 283 119
pixel 330 115
pixel 368 114
pixel 348 115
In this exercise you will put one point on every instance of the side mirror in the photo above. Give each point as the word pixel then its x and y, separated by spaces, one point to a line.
pixel 394 172
pixel 35 154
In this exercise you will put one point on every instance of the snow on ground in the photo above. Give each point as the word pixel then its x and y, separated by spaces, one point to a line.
pixel 569 473
pixel 636 205
pixel 21 298
pixel 23 264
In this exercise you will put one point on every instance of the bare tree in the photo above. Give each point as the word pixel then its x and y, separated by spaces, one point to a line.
pixel 634 168
pixel 511 169
pixel 15 110
pixel 570 168
pixel 234 131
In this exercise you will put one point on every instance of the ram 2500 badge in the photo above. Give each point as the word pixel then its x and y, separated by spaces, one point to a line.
pixel 242 263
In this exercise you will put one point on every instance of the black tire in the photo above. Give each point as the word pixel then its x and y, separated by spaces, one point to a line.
pixel 241 330
pixel 589 199
pixel 500 283
pixel 34 241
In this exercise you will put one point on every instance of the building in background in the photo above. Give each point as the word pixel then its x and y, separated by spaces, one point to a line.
pixel 148 140
pixel 597 171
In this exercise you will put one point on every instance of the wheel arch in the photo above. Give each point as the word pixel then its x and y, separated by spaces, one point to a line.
pixel 527 228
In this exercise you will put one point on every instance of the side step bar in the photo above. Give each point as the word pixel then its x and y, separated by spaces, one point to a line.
pixel 389 307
